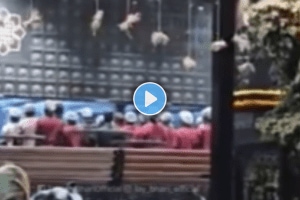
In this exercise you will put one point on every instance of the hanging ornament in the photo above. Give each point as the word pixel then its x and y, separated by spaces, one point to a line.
pixel 35 19
pixel 244 71
pixel 241 20
pixel 11 32
pixel 130 20
pixel 97 19
pixel 188 62
pixel 158 38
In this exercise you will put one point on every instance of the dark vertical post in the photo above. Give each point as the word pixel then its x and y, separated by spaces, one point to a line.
pixel 222 142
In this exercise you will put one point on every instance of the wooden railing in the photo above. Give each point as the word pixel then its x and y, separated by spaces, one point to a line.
pixel 56 166
pixel 165 166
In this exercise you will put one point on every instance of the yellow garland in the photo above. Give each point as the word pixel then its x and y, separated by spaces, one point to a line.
pixel 250 92
pixel 244 98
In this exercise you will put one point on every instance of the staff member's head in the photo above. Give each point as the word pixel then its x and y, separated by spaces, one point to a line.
pixel 87 115
pixel 187 118
pixel 199 120
pixel 29 110
pixel 130 117
pixel 14 115
pixel 50 107
pixel 166 118
pixel 100 120
pixel 207 114
pixel 118 118
pixel 71 118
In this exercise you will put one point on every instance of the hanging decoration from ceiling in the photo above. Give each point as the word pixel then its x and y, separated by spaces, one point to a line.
pixel 97 19
pixel 35 19
pixel 11 32
pixel 188 62
pixel 158 38
pixel 130 20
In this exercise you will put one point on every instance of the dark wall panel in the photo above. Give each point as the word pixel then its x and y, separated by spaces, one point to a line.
pixel 63 59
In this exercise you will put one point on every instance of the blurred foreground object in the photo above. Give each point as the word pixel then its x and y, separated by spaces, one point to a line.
pixel 14 183
pixel 58 193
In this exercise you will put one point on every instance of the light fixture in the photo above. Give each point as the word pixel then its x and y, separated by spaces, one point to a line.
pixel 11 32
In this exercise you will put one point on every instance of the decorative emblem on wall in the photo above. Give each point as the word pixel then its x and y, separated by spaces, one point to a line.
pixel 11 32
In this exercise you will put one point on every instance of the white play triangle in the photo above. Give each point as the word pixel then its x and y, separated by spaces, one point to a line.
pixel 149 99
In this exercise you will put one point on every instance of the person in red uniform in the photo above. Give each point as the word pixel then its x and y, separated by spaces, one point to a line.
pixel 187 133
pixel 152 130
pixel 165 120
pixel 205 128
pixel 118 121
pixel 88 123
pixel 50 126
pixel 73 137
pixel 130 124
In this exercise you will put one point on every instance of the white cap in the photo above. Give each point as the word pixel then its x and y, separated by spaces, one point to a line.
pixel 199 120
pixel 50 105
pixel 87 112
pixel 100 119
pixel 29 107
pixel 166 117
pixel 186 117
pixel 14 112
pixel 118 115
pixel 130 117
pixel 207 113
pixel 71 116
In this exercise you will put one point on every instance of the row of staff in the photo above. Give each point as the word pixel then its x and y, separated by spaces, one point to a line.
pixel 192 134
pixel 72 129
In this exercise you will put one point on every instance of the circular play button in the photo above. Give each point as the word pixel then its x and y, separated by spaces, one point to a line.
pixel 150 98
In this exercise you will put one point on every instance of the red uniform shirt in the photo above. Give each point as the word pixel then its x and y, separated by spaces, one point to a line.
pixel 169 136
pixel 50 127
pixel 205 130
pixel 187 137
pixel 154 131
pixel 130 129
pixel 73 137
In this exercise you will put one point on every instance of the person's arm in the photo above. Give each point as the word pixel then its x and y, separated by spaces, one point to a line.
pixel 141 132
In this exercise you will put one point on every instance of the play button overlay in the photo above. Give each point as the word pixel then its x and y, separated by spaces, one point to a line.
pixel 150 98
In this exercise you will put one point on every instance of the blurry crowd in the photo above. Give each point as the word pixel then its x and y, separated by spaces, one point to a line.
pixel 72 129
